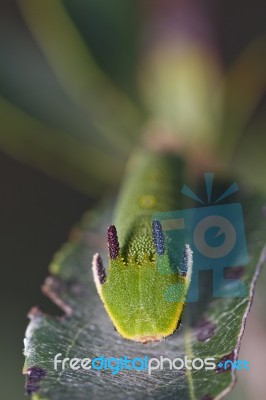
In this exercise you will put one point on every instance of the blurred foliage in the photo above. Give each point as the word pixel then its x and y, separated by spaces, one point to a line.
pixel 78 78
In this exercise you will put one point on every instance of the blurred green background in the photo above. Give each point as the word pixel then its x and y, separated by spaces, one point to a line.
pixel 49 181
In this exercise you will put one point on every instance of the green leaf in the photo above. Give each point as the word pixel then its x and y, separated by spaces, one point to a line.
pixel 213 327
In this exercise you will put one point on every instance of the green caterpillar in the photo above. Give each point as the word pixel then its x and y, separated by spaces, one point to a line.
pixel 133 291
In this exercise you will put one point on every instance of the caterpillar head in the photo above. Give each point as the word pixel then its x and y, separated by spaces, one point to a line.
pixel 143 295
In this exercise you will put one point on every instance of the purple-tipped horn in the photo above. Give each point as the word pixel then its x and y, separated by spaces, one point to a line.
pixel 113 244
pixel 186 260
pixel 158 238
pixel 99 269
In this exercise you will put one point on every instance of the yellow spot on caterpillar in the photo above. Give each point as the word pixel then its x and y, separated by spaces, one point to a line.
pixel 147 201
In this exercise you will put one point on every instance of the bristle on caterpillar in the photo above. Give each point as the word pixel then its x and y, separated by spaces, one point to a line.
pixel 113 244
pixel 98 269
pixel 158 238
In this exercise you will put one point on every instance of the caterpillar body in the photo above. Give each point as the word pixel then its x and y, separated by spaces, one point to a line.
pixel 133 290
